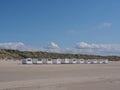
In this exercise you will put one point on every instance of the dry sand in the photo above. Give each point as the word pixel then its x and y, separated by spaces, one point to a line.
pixel 15 76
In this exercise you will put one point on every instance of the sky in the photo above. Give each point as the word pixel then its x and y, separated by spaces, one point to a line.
pixel 63 26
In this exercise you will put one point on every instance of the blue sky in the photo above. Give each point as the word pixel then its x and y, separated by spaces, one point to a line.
pixel 64 22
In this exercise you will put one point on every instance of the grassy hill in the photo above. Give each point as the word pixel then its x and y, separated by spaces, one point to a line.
pixel 18 55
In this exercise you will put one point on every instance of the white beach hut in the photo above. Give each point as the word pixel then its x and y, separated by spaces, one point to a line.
pixel 81 61
pixel 37 61
pixel 100 61
pixel 73 61
pixel 88 61
pixel 27 61
pixel 94 61
pixel 40 61
pixel 56 61
pixel 105 61
pixel 65 61
pixel 49 61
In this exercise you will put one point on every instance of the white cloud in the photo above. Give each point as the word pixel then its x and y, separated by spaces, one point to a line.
pixel 52 45
pixel 83 45
pixel 102 49
pixel 105 25
pixel 10 45
pixel 80 48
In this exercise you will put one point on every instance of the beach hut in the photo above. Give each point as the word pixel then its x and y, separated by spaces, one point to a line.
pixel 37 61
pixel 105 61
pixel 94 61
pixel 56 61
pixel 100 61
pixel 81 61
pixel 40 61
pixel 65 61
pixel 34 60
pixel 73 61
pixel 88 61
pixel 49 61
pixel 27 61
pixel 44 60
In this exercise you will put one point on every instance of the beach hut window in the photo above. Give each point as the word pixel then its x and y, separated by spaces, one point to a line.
pixel 39 60
pixel 49 59
pixel 28 60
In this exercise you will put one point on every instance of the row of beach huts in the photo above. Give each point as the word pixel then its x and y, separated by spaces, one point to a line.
pixel 63 61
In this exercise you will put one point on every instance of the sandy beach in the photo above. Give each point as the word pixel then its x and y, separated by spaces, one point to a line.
pixel 15 76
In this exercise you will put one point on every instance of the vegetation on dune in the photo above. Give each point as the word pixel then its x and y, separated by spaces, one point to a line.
pixel 18 55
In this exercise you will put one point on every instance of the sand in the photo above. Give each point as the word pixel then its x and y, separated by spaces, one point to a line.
pixel 15 76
